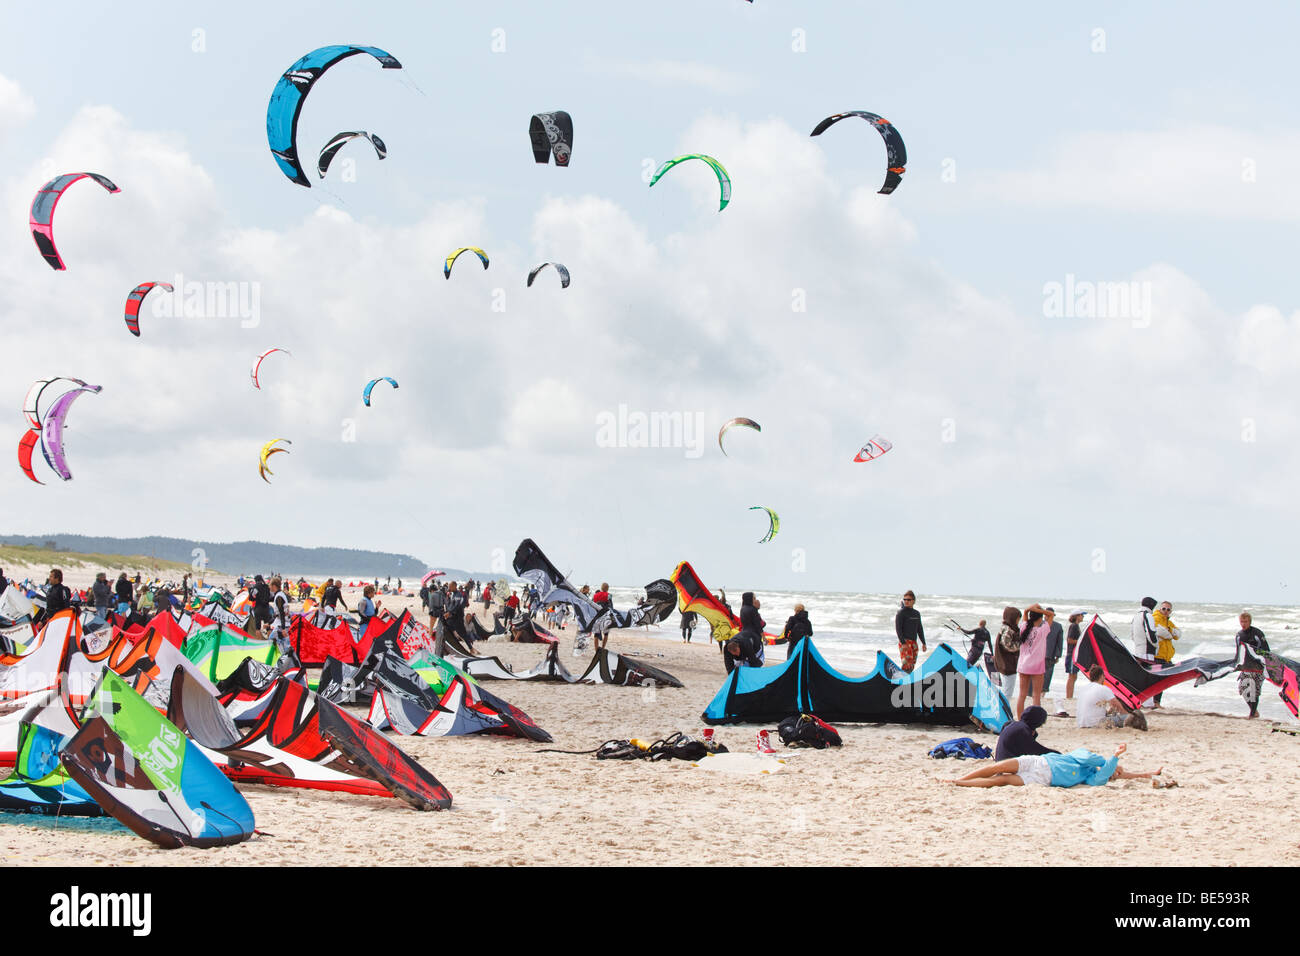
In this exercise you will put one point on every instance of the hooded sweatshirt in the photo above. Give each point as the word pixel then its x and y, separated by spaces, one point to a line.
pixel 1019 738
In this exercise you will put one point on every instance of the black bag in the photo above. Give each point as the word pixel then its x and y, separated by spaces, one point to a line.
pixel 805 730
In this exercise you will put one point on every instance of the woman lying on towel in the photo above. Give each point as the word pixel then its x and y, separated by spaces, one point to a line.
pixel 1055 770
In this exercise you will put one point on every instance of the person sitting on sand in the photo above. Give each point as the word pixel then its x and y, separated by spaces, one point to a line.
pixel 1055 770
pixel 1019 738
pixel 1098 706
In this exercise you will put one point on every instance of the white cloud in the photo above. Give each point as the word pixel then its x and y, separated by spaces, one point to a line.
pixel 16 107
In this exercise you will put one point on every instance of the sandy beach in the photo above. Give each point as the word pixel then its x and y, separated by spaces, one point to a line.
pixel 878 800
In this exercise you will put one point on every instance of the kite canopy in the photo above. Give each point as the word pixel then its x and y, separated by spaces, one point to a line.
pixel 774 523
pixel 150 776
pixel 257 364
pixel 451 259
pixel 551 133
pixel 136 299
pixel 897 160
pixel 267 451
pixel 1131 680
pixel 727 426
pixel 365 394
pixel 562 270
pixel 26 445
pixel 873 449
pixel 291 91
pixel 554 588
pixel 944 689
pixel 724 181
pixel 339 140
pixel 42 215
pixel 47 425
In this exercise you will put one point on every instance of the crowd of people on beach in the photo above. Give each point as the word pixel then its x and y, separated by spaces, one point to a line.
pixel 1022 658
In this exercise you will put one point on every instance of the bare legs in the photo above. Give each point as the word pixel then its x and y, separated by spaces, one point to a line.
pixel 1122 774
pixel 1004 773
pixel 1029 683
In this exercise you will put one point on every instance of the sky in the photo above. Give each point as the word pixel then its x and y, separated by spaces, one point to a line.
pixel 1075 319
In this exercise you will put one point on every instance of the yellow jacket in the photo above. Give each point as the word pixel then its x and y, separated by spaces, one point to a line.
pixel 1167 633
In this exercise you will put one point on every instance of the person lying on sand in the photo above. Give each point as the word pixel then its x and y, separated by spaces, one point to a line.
pixel 1055 770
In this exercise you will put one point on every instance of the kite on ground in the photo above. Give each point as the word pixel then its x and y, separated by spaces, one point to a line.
pixel 267 451
pixel 290 92
pixel 774 523
pixel 365 395
pixel 562 270
pixel 257 364
pixel 136 299
pixel 451 259
pixel 897 159
pixel 873 449
pixel 724 181
pixel 150 776
pixel 726 426
pixel 42 215
pixel 339 140
pixel 551 133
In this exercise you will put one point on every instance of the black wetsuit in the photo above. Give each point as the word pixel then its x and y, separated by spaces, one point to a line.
pixel 57 598
pixel 979 640
pixel 796 629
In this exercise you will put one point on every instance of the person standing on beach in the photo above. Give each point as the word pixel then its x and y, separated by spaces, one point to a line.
pixel 437 604
pixel 1250 669
pixel 796 629
pixel 103 595
pixel 908 627
pixel 1033 651
pixel 605 602
pixel 124 593
pixel 1166 634
pixel 688 626
pixel 980 640
pixel 1054 648
pixel 745 649
pixel 57 596
pixel 1071 645
pixel 453 615
pixel 279 614
pixel 1145 641
pixel 1006 649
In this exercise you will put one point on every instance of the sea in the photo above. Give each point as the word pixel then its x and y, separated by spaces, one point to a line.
pixel 849 628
